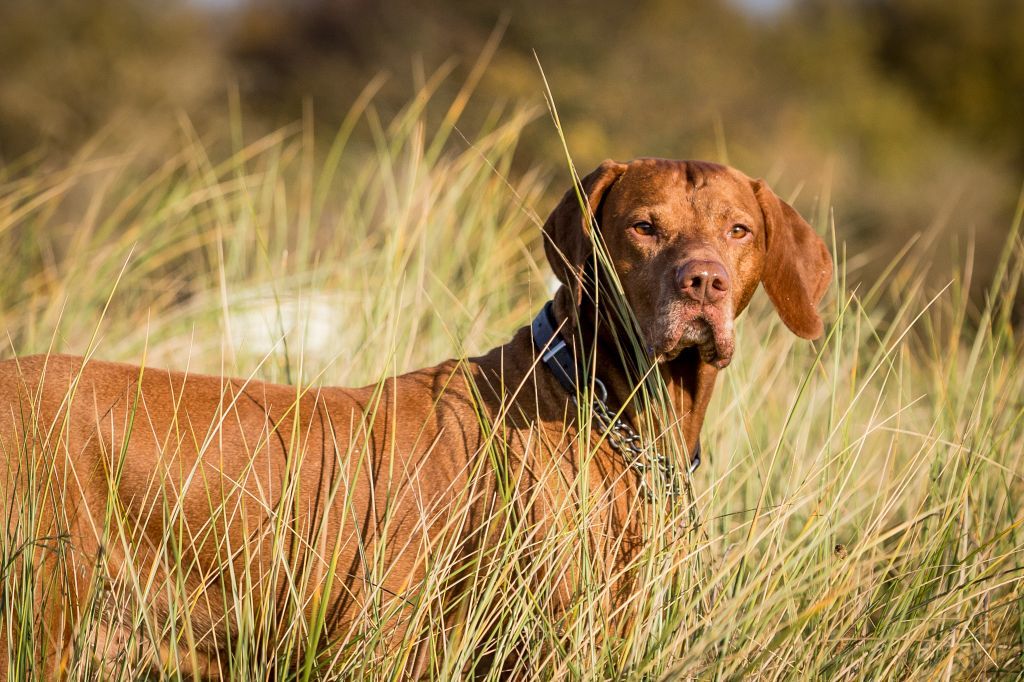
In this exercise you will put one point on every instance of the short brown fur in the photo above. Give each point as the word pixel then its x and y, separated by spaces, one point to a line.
pixel 186 439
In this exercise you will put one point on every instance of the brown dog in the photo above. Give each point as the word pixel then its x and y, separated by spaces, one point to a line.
pixel 339 499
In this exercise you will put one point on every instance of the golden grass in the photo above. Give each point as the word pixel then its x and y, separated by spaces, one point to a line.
pixel 857 517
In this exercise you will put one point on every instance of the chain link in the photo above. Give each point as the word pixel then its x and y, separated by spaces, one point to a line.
pixel 646 461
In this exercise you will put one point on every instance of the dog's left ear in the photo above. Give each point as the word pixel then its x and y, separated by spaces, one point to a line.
pixel 798 267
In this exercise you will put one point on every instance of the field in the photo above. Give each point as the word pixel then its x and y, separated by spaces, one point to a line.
pixel 856 516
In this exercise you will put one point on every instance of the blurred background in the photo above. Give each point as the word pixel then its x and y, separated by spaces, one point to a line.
pixel 904 117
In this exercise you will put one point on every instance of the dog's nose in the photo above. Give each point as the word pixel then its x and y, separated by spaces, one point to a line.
pixel 703 281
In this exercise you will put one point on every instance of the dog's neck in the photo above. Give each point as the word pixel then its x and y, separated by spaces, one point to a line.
pixel 689 380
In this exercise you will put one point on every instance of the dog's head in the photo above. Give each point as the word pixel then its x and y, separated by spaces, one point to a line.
pixel 690 241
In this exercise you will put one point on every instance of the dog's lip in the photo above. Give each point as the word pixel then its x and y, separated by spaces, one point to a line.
pixel 715 346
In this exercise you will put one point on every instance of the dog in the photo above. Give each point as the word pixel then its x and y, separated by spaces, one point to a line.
pixel 127 464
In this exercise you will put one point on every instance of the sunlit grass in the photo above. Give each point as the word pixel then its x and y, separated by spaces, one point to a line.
pixel 857 515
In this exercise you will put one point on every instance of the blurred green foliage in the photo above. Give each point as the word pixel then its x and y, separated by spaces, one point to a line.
pixel 70 70
pixel 904 115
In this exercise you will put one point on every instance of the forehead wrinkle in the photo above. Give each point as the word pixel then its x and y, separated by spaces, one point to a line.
pixel 701 176
pixel 695 175
pixel 702 191
pixel 721 200
pixel 703 200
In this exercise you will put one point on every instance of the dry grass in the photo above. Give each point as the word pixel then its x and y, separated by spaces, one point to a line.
pixel 857 518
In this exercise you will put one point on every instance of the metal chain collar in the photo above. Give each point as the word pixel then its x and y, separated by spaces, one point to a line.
pixel 646 461
pixel 653 468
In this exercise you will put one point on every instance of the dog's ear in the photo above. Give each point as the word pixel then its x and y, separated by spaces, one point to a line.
pixel 798 267
pixel 568 241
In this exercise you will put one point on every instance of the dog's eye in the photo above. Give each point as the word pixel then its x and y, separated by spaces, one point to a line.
pixel 645 228
pixel 739 231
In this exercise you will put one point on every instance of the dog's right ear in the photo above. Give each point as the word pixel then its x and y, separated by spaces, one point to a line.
pixel 568 233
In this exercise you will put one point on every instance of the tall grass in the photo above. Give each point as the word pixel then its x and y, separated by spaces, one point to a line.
pixel 857 516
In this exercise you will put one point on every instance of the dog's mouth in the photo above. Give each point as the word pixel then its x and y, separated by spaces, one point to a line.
pixel 707 329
